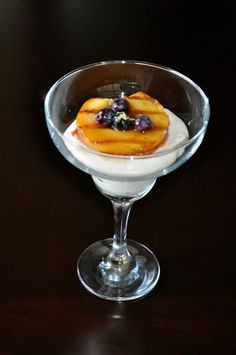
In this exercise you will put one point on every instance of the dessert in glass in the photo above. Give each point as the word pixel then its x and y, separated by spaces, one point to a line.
pixel 126 123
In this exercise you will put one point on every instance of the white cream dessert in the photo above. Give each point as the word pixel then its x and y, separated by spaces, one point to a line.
pixel 125 167
pixel 128 175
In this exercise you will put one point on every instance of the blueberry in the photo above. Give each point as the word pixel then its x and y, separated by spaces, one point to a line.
pixel 142 123
pixel 122 122
pixel 120 104
pixel 122 125
pixel 105 117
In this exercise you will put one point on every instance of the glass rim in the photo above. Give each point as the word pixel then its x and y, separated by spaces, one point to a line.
pixel 157 152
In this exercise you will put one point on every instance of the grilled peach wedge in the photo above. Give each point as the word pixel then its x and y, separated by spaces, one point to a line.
pixel 130 142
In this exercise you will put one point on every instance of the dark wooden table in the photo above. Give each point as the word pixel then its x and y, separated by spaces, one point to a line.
pixel 50 211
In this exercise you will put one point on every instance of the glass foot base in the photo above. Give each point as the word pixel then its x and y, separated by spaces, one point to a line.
pixel 142 279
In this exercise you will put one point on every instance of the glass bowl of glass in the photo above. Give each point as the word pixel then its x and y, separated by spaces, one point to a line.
pixel 117 268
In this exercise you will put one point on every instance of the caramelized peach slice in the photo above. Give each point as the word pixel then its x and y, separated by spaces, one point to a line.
pixel 131 142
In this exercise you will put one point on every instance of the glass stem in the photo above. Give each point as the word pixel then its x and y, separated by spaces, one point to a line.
pixel 118 268
pixel 121 215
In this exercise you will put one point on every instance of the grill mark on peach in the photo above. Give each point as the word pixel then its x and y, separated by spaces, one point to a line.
pixel 91 126
pixel 134 97
pixel 96 126
pixel 136 112
pixel 128 140
pixel 148 148
pixel 136 141
pixel 89 111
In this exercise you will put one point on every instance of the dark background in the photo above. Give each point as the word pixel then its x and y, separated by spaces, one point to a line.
pixel 50 211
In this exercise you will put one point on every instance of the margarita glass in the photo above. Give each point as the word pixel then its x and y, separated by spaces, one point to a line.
pixel 118 268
